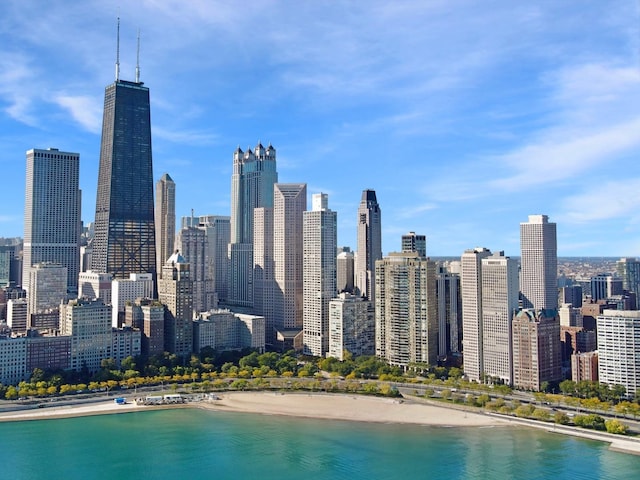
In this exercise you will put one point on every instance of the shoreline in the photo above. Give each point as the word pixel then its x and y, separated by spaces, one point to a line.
pixel 331 406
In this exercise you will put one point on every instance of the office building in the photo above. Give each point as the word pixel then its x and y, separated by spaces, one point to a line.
pixel 369 237
pixel 138 285
pixel 604 285
pixel 147 315
pixel 571 294
pixel 414 243
pixel 264 270
pixel 47 287
pixel 125 235
pixel 192 244
pixel 289 204
pixel 320 238
pixel 619 349
pixel 471 289
pixel 175 291
pixel 252 181
pixel 52 213
pixel 165 219
pixel 344 271
pixel 17 315
pixel 93 285
pixel 352 326
pixel 406 309
pixel 217 229
pixel 536 349
pixel 88 322
pixel 499 303
pixel 539 263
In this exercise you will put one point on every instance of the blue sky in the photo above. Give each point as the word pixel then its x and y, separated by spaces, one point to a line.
pixel 464 116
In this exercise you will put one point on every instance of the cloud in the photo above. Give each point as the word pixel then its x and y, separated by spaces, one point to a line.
pixel 606 201
pixel 188 137
pixel 83 109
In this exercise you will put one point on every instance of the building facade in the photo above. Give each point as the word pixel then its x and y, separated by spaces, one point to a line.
pixel 539 263
pixel 52 213
pixel 406 309
pixel 369 237
pixel 320 237
pixel 619 349
pixel 165 220
pixel 352 326
pixel 124 240
pixel 175 291
pixel 411 242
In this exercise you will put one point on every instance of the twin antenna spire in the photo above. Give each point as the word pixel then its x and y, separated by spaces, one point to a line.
pixel 118 55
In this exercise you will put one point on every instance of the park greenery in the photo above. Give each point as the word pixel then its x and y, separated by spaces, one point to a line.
pixel 251 370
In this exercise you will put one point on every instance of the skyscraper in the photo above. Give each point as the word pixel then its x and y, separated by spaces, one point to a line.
pixel 414 243
pixel 471 288
pixel 124 239
pixel 290 201
pixel 52 213
pixel 369 244
pixel 175 290
pixel 165 219
pixel 406 310
pixel 263 270
pixel 252 181
pixel 628 270
pixel 319 273
pixel 499 304
pixel 192 242
pixel 539 263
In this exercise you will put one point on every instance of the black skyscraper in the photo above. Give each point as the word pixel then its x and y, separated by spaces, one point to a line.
pixel 124 240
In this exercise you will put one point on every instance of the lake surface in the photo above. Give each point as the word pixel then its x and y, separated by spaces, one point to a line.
pixel 201 444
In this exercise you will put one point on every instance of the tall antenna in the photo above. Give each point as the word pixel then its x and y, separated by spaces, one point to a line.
pixel 138 59
pixel 118 52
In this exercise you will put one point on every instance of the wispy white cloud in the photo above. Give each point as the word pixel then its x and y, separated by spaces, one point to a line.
pixel 605 201
pixel 85 110
pixel 185 136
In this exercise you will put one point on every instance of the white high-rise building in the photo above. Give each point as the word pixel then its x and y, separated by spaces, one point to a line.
pixel 47 287
pixel 52 213
pixel 92 285
pixel 138 285
pixel 411 242
pixel 406 310
pixel 175 290
pixel 218 232
pixel 352 326
pixel 471 288
pixel 165 220
pixel 499 304
pixel 192 244
pixel 369 244
pixel 290 201
pixel 539 263
pixel 619 349
pixel 319 273
pixel 263 270
pixel 89 324
pixel 254 175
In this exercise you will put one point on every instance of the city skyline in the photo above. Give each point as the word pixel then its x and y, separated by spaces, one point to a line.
pixel 497 102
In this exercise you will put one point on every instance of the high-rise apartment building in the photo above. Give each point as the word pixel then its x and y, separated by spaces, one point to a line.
pixel 471 288
pixel 217 229
pixel 539 263
pixel 320 237
pixel 619 349
pixel 264 270
pixel 95 285
pixel 252 181
pixel 123 291
pixel 628 269
pixel 289 204
pixel 175 290
pixel 192 244
pixel 499 304
pixel 352 326
pixel 449 313
pixel 52 213
pixel 406 309
pixel 414 243
pixel 165 220
pixel 537 356
pixel 125 235
pixel 369 244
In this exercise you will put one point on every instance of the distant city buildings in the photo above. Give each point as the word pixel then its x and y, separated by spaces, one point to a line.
pixel 165 220
pixel 369 237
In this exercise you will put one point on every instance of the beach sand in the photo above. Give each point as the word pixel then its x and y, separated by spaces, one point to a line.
pixel 326 406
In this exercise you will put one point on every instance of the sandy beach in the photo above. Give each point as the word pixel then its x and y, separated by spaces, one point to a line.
pixel 327 406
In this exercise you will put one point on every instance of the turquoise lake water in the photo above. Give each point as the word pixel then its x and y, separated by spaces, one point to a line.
pixel 201 444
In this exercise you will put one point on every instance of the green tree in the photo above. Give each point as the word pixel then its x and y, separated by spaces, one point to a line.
pixel 568 387
pixel 616 426
pixel 128 363
pixel 561 418
pixel 11 393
